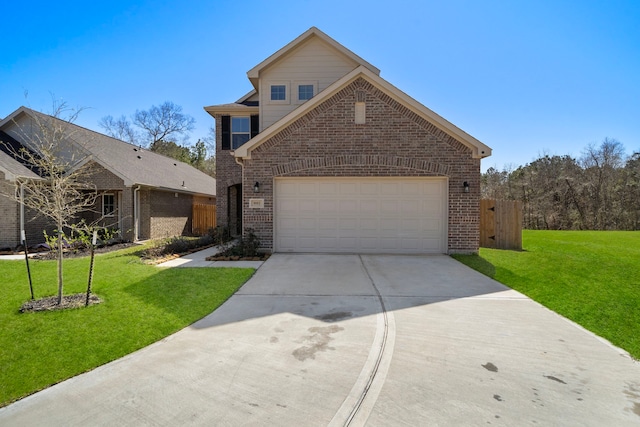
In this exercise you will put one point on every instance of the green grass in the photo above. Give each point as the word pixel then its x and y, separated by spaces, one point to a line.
pixel 590 277
pixel 141 304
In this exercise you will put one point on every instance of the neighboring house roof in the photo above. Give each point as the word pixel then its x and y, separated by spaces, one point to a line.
pixel 135 166
pixel 13 169
pixel 254 73
pixel 479 149
pixel 10 162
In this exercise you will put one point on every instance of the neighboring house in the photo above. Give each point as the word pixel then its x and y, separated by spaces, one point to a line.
pixel 143 194
pixel 326 156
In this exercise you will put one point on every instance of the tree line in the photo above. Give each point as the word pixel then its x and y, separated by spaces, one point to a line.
pixel 164 129
pixel 600 190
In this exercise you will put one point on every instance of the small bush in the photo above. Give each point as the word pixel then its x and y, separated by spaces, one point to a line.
pixel 247 246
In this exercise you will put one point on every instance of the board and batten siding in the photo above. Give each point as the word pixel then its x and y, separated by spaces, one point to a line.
pixel 315 61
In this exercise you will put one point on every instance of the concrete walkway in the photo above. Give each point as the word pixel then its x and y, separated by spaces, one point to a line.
pixel 358 340
pixel 199 259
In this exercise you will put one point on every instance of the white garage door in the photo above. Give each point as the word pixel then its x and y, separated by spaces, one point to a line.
pixel 361 215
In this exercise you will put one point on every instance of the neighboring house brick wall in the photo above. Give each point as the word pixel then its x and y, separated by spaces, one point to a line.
pixel 144 232
pixel 228 173
pixel 126 201
pixel 35 224
pixel 105 182
pixel 170 214
pixel 393 142
pixel 10 214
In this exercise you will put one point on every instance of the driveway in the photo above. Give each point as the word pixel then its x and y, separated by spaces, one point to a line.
pixel 358 340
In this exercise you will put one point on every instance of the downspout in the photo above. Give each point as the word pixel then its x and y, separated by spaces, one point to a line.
pixel 136 214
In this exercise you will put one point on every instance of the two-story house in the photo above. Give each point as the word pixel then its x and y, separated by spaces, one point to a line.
pixel 323 155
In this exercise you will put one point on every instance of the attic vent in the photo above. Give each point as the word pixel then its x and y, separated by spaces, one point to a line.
pixel 360 114
pixel 175 164
pixel 135 149
pixel 360 95
pixel 139 157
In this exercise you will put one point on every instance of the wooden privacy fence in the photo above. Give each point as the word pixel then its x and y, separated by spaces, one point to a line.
pixel 204 218
pixel 501 224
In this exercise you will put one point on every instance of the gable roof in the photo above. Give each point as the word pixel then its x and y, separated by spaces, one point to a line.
pixel 13 169
pixel 134 165
pixel 254 73
pixel 11 162
pixel 479 149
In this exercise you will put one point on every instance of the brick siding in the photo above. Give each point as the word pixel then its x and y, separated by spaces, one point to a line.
pixel 228 174
pixel 9 214
pixel 394 141
pixel 170 215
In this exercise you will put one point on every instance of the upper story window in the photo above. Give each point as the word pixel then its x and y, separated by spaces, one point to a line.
pixel 240 131
pixel 305 92
pixel 108 204
pixel 237 130
pixel 278 92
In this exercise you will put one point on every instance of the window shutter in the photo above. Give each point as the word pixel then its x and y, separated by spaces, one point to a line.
pixel 226 132
pixel 255 125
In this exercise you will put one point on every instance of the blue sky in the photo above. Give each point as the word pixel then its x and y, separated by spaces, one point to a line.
pixel 524 77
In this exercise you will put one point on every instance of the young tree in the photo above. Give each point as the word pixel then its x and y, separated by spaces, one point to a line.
pixel 65 190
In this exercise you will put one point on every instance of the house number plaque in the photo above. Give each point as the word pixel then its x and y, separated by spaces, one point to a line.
pixel 256 203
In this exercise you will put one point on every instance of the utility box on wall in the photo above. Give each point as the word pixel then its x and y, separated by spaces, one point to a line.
pixel 501 224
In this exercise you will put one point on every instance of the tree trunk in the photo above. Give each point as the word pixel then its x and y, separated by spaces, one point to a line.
pixel 93 252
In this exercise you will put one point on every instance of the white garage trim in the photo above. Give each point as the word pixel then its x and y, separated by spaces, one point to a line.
pixel 361 215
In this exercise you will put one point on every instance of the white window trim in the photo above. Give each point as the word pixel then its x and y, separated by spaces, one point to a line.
pixel 287 98
pixel 115 205
pixel 298 83
pixel 231 133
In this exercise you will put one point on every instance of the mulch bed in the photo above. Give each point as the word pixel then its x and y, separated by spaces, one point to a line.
pixel 78 253
pixel 158 259
pixel 51 303
pixel 261 257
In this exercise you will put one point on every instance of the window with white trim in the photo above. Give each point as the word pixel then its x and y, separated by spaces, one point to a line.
pixel 108 204
pixel 240 131
pixel 305 92
pixel 278 92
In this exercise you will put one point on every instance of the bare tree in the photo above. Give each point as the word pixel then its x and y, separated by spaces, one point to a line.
pixel 65 189
pixel 602 165
pixel 119 128
pixel 163 122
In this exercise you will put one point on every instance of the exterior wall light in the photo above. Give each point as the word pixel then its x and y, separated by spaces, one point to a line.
pixel 466 186
pixel 256 187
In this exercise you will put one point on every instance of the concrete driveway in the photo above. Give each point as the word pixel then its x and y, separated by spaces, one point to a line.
pixel 358 340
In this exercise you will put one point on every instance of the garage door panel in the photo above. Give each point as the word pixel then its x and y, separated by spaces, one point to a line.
pixel 369 215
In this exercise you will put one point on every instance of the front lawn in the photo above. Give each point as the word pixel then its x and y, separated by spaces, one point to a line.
pixel 590 277
pixel 141 304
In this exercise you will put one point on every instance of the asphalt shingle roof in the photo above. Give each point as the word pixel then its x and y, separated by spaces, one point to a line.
pixel 136 166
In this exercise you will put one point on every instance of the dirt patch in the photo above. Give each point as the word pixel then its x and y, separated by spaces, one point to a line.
pixel 51 303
